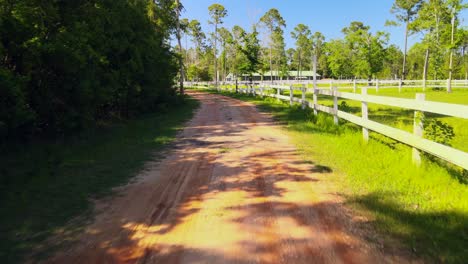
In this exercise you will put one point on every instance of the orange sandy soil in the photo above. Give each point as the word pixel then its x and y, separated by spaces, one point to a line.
pixel 232 190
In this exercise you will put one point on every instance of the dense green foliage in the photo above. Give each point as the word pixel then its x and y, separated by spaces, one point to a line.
pixel 274 57
pixel 65 65
pixel 217 13
pixel 249 48
pixel 301 34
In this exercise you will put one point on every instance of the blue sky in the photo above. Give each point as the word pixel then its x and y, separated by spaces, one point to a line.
pixel 328 16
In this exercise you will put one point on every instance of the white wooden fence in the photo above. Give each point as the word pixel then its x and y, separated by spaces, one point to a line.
pixel 351 84
pixel 418 104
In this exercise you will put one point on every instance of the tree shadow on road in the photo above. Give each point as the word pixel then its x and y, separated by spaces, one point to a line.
pixel 242 207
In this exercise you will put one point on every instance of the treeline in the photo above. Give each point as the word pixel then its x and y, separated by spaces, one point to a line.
pixel 359 54
pixel 65 65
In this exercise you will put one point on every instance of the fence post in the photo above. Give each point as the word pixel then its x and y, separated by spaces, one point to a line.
pixel 365 131
pixel 354 86
pixel 236 86
pixel 278 93
pixel 424 85
pixel 291 95
pixel 304 88
pixel 449 86
pixel 376 85
pixel 399 85
pixel 418 128
pixel 335 105
pixel 315 98
pixel 331 85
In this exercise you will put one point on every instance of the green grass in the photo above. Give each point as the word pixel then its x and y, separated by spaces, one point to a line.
pixel 45 185
pixel 426 208
pixel 403 118
pixel 458 96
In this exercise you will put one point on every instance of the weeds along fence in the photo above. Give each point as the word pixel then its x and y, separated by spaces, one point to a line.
pixel 419 105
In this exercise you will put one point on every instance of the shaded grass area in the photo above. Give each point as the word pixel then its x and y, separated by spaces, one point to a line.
pixel 44 185
pixel 425 207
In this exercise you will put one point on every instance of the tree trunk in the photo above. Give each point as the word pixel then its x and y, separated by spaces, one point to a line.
pixel 278 69
pixel 186 50
pixel 426 62
pixel 181 61
pixel 224 59
pixel 403 73
pixel 464 63
pixel 449 83
pixel 299 72
pixel 314 55
pixel 215 58
pixel 271 47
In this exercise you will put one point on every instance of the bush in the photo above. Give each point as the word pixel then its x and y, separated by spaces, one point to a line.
pixel 438 131
pixel 343 106
pixel 15 113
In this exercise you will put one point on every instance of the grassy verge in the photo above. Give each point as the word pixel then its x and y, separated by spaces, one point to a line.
pixel 403 118
pixel 44 185
pixel 425 207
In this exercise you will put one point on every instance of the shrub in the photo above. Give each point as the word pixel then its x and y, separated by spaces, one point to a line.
pixel 438 131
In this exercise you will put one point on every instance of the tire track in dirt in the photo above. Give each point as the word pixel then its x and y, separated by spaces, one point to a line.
pixel 232 190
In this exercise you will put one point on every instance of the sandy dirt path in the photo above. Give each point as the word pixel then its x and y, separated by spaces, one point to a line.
pixel 232 190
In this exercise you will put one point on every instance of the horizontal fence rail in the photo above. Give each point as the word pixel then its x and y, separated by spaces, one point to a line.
pixel 415 140
pixel 349 84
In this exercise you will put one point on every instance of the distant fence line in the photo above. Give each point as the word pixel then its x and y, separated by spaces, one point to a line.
pixel 419 104
pixel 353 84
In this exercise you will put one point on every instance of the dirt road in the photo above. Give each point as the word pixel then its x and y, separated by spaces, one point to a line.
pixel 233 190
